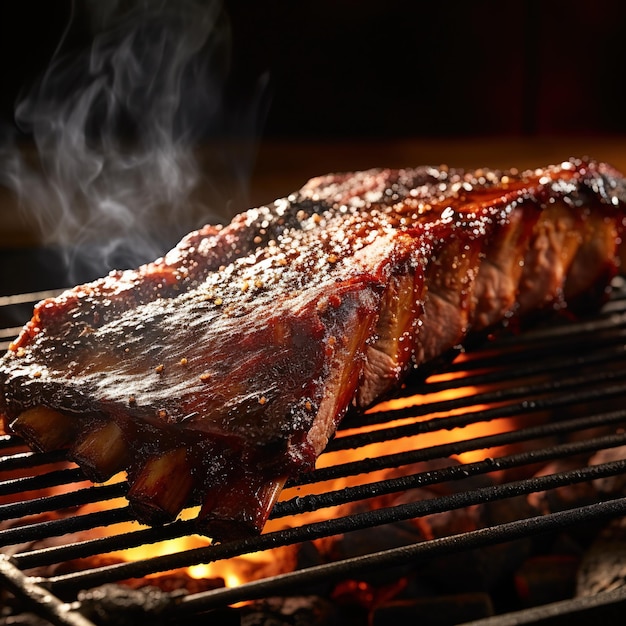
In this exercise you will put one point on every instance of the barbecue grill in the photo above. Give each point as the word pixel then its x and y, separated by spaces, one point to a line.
pixel 559 388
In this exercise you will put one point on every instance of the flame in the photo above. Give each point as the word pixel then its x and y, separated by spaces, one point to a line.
pixel 252 566
pixel 246 568
pixel 427 439
pixel 249 567
pixel 405 444
pixel 233 572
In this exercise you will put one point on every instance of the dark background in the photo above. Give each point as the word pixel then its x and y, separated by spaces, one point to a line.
pixel 342 83
pixel 346 68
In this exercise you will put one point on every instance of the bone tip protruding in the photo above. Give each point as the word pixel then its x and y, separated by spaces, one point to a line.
pixel 162 486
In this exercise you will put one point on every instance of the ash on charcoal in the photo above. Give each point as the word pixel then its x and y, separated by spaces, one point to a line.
pixel 603 566
pixel 564 497
pixel 483 569
pixel 121 606
pixel 610 485
pixel 291 611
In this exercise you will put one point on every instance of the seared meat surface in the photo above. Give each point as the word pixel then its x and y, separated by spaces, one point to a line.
pixel 218 371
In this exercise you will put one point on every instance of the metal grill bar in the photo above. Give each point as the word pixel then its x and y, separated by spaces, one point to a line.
pixel 497 369
pixel 308 503
pixel 30 459
pixel 304 504
pixel 553 371
pixel 61 501
pixel 439 423
pixel 55 528
pixel 53 478
pixel 48 605
pixel 453 472
pixel 307 532
pixel 83 549
pixel 606 605
pixel 418 552
pixel 29 298
pixel 446 450
pixel 534 390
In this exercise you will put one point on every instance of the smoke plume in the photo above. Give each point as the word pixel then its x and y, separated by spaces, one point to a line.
pixel 115 125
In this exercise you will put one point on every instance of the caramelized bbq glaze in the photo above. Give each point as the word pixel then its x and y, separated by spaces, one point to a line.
pixel 221 369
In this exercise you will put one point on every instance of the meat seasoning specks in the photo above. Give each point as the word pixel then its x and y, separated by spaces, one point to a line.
pixel 257 336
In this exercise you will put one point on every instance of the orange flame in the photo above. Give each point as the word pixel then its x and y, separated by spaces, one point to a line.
pixel 236 571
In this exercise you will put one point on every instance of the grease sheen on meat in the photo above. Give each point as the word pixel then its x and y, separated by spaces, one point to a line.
pixel 223 368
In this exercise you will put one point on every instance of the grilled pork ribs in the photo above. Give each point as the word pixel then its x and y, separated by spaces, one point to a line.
pixel 216 372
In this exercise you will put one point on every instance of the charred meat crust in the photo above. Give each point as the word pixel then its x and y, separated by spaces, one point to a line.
pixel 223 368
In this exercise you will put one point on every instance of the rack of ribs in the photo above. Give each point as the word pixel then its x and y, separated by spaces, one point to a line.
pixel 215 373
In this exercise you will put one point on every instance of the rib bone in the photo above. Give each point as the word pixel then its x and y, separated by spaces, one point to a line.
pixel 225 366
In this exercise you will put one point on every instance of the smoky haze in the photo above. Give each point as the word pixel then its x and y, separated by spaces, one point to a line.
pixel 110 172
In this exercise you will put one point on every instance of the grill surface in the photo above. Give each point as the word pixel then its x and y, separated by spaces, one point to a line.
pixel 551 393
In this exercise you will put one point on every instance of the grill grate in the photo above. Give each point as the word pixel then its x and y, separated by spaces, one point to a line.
pixel 550 394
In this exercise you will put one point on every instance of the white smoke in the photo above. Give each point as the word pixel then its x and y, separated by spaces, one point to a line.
pixel 115 128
